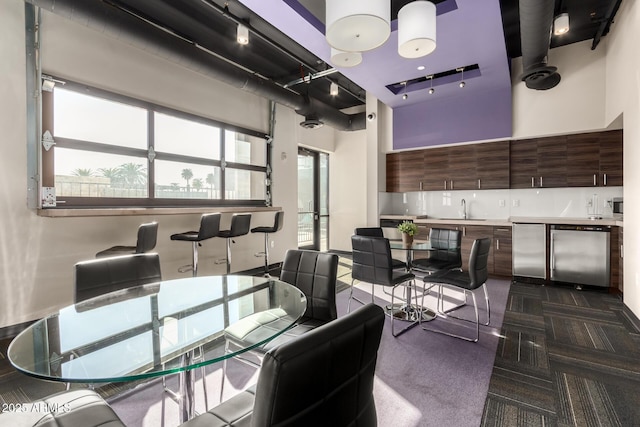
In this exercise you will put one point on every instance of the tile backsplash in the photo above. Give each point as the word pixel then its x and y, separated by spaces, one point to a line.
pixel 502 204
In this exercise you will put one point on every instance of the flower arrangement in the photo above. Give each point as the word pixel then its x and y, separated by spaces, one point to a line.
pixel 408 227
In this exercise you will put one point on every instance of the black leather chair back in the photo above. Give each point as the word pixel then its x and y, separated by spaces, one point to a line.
pixel 240 225
pixel 447 246
pixel 209 226
pixel 323 378
pixel 278 221
pixel 369 231
pixel 478 272
pixel 315 274
pixel 147 236
pixel 103 275
pixel 372 260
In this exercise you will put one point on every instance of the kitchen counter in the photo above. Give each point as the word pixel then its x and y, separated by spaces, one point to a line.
pixel 460 221
pixel 569 221
pixel 402 217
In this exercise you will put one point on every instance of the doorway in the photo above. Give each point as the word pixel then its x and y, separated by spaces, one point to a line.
pixel 313 200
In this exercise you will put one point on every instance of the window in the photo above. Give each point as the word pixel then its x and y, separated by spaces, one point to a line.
pixel 112 150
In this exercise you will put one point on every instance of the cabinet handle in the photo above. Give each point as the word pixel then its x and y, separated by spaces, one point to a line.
pixel 532 183
pixel 445 184
pixel 540 181
pixel 451 186
pixel 595 182
pixel 478 184
pixel 497 244
pixel 605 179
pixel 420 185
pixel 464 231
pixel 621 251
pixel 553 257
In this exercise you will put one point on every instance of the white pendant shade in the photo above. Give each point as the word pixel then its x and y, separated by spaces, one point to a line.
pixel 343 59
pixel 357 25
pixel 417 29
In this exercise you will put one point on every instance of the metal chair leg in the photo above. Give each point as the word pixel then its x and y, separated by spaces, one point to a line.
pixel 194 254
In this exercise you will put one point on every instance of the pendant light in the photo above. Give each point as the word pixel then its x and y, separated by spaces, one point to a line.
pixel 340 58
pixel 357 25
pixel 333 89
pixel 417 29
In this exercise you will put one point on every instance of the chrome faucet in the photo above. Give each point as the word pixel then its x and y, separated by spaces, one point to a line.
pixel 463 203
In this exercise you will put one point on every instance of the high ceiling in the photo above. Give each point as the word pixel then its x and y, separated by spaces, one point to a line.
pixel 287 47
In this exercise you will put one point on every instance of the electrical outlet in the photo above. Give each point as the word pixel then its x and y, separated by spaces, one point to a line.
pixel 48 197
pixel 501 203
pixel 516 203
pixel 273 244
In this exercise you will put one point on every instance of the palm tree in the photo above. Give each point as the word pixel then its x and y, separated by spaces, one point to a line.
pixel 112 173
pixel 82 172
pixel 187 174
pixel 197 184
pixel 133 174
pixel 210 180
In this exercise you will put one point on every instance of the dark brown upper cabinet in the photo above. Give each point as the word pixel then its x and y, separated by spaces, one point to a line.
pixel 492 165
pixel 539 162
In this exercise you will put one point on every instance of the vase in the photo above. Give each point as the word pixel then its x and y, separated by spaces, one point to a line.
pixel 407 239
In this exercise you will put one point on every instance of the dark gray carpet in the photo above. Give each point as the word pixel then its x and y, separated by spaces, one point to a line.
pixel 565 358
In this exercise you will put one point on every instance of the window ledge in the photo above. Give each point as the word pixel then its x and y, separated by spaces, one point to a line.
pixel 68 213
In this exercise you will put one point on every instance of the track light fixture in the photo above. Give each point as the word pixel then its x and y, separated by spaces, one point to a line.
pixel 242 34
pixel 333 89
pixel 405 95
pixel 462 83
pixel 431 89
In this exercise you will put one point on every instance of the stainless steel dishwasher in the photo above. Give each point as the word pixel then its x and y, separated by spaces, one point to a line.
pixel 580 254
pixel 529 250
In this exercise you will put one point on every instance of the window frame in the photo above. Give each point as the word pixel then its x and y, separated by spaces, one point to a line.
pixel 65 202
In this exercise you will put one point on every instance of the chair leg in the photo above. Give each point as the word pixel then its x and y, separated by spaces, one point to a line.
pixel 228 255
pixel 410 325
pixel 442 313
pixel 266 254
pixel 486 298
pixel 194 254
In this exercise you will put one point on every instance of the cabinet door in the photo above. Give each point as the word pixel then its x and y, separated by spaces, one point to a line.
pixel 404 171
pixel 552 162
pixel 524 163
pixel 583 160
pixel 436 169
pixel 502 251
pixel 492 165
pixel 469 234
pixel 611 158
pixel 462 168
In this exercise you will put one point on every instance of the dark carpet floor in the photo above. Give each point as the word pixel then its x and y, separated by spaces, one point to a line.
pixel 565 358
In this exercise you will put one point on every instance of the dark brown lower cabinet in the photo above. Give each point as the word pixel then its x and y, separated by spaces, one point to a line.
pixel 616 261
pixel 502 265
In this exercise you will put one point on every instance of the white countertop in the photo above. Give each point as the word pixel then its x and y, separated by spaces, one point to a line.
pixel 424 219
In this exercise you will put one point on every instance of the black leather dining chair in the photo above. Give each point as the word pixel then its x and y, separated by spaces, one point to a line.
pixel 146 242
pixel 377 232
pixel 315 274
pixel 465 281
pixel 103 275
pixel 445 254
pixel 322 378
pixel 372 264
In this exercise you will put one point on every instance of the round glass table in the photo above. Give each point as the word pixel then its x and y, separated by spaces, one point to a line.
pixel 152 330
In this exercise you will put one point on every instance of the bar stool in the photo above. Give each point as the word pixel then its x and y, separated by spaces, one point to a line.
pixel 240 225
pixel 209 227
pixel 277 226
pixel 147 234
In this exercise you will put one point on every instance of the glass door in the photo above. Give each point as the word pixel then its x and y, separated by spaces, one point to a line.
pixel 313 200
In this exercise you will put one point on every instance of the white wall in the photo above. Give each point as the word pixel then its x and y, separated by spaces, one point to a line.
pixel 573 106
pixel 623 97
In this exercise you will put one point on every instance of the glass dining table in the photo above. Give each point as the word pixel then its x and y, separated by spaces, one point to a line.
pixel 152 330
pixel 409 311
